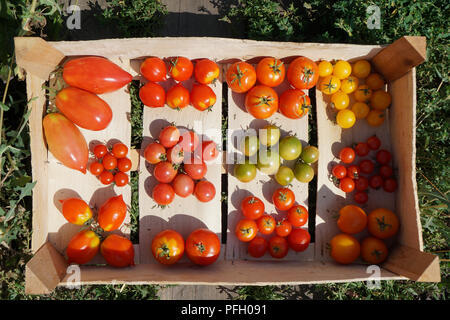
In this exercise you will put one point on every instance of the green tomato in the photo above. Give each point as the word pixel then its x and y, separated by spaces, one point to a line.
pixel 245 172
pixel 284 175
pixel 269 135
pixel 249 145
pixel 310 154
pixel 268 162
pixel 290 148
pixel 303 172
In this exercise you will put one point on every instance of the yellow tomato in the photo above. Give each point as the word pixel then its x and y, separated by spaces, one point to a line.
pixel 325 68
pixel 342 69
pixel 349 85
pixel 380 100
pixel 360 109
pixel 375 81
pixel 329 85
pixel 363 93
pixel 340 100
pixel 345 118
pixel 361 69
pixel 375 118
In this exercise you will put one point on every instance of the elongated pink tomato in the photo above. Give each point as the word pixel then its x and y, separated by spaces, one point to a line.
pixel 95 74
pixel 65 141
pixel 84 108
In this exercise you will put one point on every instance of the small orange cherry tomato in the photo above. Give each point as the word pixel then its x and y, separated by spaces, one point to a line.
pixel 349 84
pixel 375 81
pixel 375 118
pixel 363 93
pixel 361 69
pixel 380 100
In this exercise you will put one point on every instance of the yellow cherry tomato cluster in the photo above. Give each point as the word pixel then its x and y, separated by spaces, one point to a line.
pixel 341 79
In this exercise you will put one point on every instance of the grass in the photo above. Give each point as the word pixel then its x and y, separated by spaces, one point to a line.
pixel 313 21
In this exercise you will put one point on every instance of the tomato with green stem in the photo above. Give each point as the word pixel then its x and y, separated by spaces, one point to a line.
pixel 294 103
pixel 261 102
pixel 278 247
pixel 303 73
pixel 241 76
pixel 175 155
pixel 382 223
pixel 252 207
pixel 202 247
pixel 155 153
pixel 180 68
pixel 246 230
pixel 266 224
pixel 270 71
pixel 353 172
pixel 373 250
pixel 168 247
pixel 283 199
pixel 297 216
pixel 283 228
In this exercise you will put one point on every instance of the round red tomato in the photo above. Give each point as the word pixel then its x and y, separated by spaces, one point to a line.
pixel 261 102
pixel 152 95
pixel 83 247
pixel 154 69
pixel 339 171
pixel 118 251
pixel 109 162
pixel 106 177
pixel 283 199
pixel 297 215
pixel 353 172
pixel 96 168
pixel 204 191
pixel 266 224
pixel 390 185
pixel 206 71
pixel 209 150
pixel 347 184
pixel 165 172
pixel 167 247
pixel 299 240
pixel 362 183
pixel 175 154
pixel 195 168
pixel 112 213
pixel 76 211
pixel 374 142
pixel 100 150
pixel 386 171
pixel 303 73
pixel 347 155
pixel 366 166
pixel 278 247
pixel 202 97
pixel 362 149
pixel 203 247
pixel 270 72
pixel 246 230
pixel 163 194
pixel 119 150
pixel 361 197
pixel 177 97
pixel 124 164
pixel 189 141
pixel 252 207
pixel 376 181
pixel 383 156
pixel 183 185
pixel 283 228
pixel 155 153
pixel 181 68
pixel 121 179
pixel 169 136
pixel 257 247
pixel 241 76
pixel 294 103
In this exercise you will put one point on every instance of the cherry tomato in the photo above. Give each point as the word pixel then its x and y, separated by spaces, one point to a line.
pixel 154 69
pixel 106 177
pixel 347 184
pixel 325 68
pixel 373 250
pixel 303 172
pixel 269 135
pixel 375 118
pixel 374 143
pixel 118 251
pixel 362 183
pixel 366 166
pixel 202 97
pixel 252 207
pixel 241 76
pixel 204 191
pixel 361 110
pixel 283 199
pixel 294 103
pixel 339 171
pixel 278 247
pixel 290 148
pixel 353 172
pixel 209 150
pixel 266 224
pixel 361 69
pixel 297 216
pixel 283 228
pixel 345 118
pixel 83 247
pixel 363 93
pixel 246 230
pixel 177 97
pixel 386 171
pixel 181 68
pixel 362 149
pixel 284 175
pixel 163 194
pixel 112 213
pixel 169 136
pixel 189 141
pixel 329 85
pixel 268 161
pixel 342 69
pixel 376 181
pixel 390 185
pixel 375 81
pixel 344 248
pixel 100 150
pixel 380 100
pixel 96 168
pixel 349 84
pixel 310 154
pixel 168 247
pixel 202 247
pixel 155 153
pixel 257 247
pixel 249 146
pixel 261 102
pixel 165 172
pixel 119 150
pixel 245 172
pixel 175 155
pixel 124 164
pixel 76 211
pixel 340 100
pixel 109 162
pixel 121 179
pixel 299 240
pixel 352 219
pixel 303 73
pixel 361 197
pixel 383 156
pixel 347 155
pixel 382 223
pixel 195 168
pixel 183 185
pixel 206 71
pixel 270 72
pixel 152 95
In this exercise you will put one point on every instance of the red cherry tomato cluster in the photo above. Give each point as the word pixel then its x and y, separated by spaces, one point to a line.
pixel 261 100
pixel 367 173
pixel 287 231
pixel 111 165
pixel 179 160
pixel 180 69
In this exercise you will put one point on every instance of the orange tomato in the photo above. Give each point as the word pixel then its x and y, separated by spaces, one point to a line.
pixel 329 84
pixel 303 73
pixel 363 93
pixel 344 248
pixel 261 102
pixel 270 72
pixel 382 223
pixel 76 211
pixel 375 81
pixel 373 250
pixel 202 97
pixel 349 84
pixel 118 251
pixel 360 109
pixel 361 69
pixel 375 118
pixel 206 71
pixel 380 100
pixel 294 103
pixel 241 77
pixel 112 213
pixel 168 247
pixel 181 68
pixel 246 230
pixel 352 219
pixel 266 224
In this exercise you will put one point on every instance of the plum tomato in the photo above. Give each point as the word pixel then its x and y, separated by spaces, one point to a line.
pixel 177 97
pixel 252 207
pixel 283 199
pixel 163 194
pixel 76 211
pixel 202 97
pixel 270 71
pixel 204 191
pixel 206 71
pixel 154 69
pixel 347 155
pixel 83 247
pixel 118 251
pixel 278 247
pixel 155 153
pixel 183 185
pixel 169 136
pixel 241 77
pixel 266 224
pixel 168 247
pixel 180 68
pixel 246 230
pixel 152 95
pixel 294 103
pixel 202 247
pixel 112 213
pixel 297 216
pixel 257 247
pixel 299 239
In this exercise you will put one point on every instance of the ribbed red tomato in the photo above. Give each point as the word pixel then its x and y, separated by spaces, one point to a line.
pixel 303 73
pixel 118 251
pixel 112 213
pixel 203 247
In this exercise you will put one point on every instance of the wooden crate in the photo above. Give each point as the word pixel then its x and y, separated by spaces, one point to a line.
pixel 396 62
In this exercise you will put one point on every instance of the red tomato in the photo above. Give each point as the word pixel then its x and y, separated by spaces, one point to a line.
pixel 362 183
pixel 152 95
pixel 339 171
pixel 206 71
pixel 297 216
pixel 183 185
pixel 283 199
pixel 361 197
pixel 124 164
pixel 278 247
pixel 65 141
pixel 189 141
pixel 294 103
pixel 266 224
pixel 168 247
pixel 204 191
pixel 177 97
pixel 347 155
pixel 203 247
pixel 390 185
pixel 209 150
pixel 76 211
pixel 383 156
pixel 96 168
pixel 165 172
pixel 246 230
pixel 202 97
pixel 106 177
pixel 181 68
pixel 95 74
pixel 374 142
pixel 118 251
pixel 353 172
pixel 121 179
pixel 270 72
pixel 163 194
pixel 261 102
pixel 241 76
pixel 347 184
pixel 175 154
pixel 84 108
pixel 155 153
pixel 376 181
pixel 109 162
pixel 303 73
pixel 299 240
pixel 112 213
pixel 386 171
pixel 100 150
pixel 283 228
pixel 252 207
pixel 83 247
pixel 362 149
pixel 169 136
pixel 257 247
pixel 195 168
pixel 119 150
pixel 154 69
pixel 366 166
